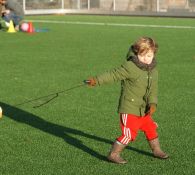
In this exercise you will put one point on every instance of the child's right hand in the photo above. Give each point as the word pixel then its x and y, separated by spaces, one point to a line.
pixel 90 82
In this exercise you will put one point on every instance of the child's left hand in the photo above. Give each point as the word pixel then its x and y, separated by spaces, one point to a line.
pixel 152 109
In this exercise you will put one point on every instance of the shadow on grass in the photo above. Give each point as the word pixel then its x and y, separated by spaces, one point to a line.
pixel 63 132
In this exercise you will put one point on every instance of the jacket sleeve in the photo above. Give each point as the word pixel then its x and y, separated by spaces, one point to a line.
pixel 153 95
pixel 116 74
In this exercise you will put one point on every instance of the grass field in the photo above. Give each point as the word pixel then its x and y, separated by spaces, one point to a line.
pixel 73 133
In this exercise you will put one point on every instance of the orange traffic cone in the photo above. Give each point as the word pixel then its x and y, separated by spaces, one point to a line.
pixel 30 28
pixel 11 28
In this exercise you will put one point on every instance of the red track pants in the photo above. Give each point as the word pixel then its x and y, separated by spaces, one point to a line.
pixel 130 124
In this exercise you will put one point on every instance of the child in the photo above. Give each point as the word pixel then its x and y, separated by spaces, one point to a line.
pixel 138 100
pixel 1 112
pixel 11 10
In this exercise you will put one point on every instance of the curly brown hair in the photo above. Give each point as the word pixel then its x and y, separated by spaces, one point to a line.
pixel 143 45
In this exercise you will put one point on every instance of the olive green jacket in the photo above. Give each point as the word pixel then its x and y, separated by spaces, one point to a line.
pixel 139 85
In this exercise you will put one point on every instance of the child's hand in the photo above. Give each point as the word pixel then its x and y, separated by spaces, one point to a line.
pixel 152 109
pixel 90 82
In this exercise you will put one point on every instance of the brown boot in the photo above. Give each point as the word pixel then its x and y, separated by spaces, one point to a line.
pixel 114 155
pixel 155 146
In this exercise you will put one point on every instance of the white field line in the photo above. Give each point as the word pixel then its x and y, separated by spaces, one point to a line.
pixel 113 24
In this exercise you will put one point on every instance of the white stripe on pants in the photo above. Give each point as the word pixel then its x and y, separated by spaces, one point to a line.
pixel 126 131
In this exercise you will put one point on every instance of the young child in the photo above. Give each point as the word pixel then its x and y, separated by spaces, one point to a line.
pixel 1 112
pixel 11 10
pixel 138 99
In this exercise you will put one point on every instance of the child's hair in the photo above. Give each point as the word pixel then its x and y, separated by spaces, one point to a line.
pixel 143 45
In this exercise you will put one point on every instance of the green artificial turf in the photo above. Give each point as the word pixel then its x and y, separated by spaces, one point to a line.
pixel 73 133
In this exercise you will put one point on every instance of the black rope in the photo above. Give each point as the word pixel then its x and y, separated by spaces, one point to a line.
pixel 37 106
pixel 56 95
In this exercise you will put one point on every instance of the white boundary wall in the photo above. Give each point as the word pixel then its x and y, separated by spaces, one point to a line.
pixel 111 7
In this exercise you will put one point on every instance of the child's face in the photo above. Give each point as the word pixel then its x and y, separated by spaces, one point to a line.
pixel 147 57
